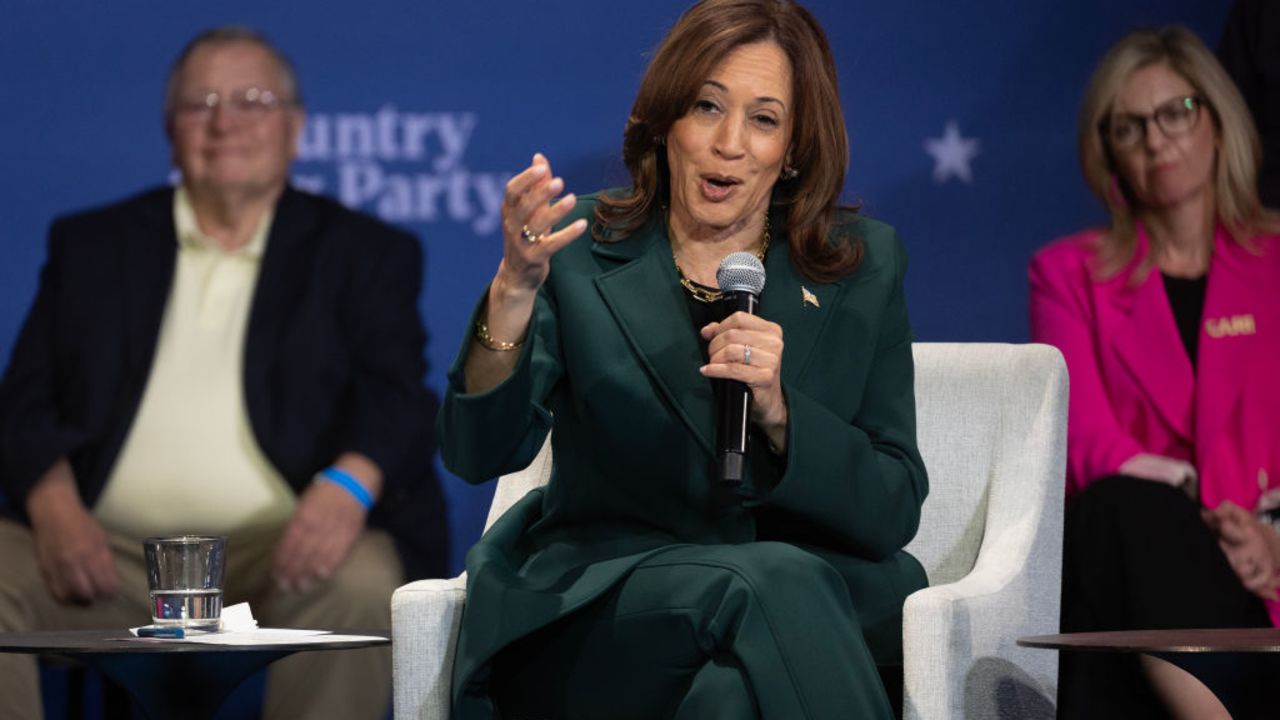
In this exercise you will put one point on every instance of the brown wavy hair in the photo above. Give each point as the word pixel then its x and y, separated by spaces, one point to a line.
pixel 819 152
pixel 1235 189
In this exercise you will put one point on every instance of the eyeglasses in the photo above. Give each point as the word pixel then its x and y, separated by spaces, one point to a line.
pixel 1175 118
pixel 244 105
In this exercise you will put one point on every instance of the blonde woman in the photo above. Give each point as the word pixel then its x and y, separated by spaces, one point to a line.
pixel 1169 320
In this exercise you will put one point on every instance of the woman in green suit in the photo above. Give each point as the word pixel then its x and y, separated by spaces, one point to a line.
pixel 634 584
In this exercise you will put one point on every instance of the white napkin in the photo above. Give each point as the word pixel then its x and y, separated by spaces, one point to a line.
pixel 238 618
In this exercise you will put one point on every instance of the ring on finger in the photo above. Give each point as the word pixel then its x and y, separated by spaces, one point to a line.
pixel 530 236
pixel 746 354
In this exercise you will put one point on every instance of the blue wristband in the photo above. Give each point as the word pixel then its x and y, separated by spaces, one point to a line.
pixel 348 483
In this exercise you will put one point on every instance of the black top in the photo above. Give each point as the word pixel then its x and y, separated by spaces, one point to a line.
pixel 702 314
pixel 1186 298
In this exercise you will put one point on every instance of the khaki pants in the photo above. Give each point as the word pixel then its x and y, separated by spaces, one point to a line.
pixel 328 684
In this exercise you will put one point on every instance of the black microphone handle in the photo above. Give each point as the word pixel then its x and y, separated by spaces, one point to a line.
pixel 735 407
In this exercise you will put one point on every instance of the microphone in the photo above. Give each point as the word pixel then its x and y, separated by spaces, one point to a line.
pixel 741 278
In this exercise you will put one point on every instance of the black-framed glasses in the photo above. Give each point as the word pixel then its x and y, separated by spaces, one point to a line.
pixel 1175 117
pixel 246 104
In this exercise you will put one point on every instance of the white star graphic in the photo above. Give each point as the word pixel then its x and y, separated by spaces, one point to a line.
pixel 951 154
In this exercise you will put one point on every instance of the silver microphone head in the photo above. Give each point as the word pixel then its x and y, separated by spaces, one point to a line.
pixel 741 272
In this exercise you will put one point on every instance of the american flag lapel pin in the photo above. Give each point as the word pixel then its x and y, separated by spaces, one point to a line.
pixel 808 298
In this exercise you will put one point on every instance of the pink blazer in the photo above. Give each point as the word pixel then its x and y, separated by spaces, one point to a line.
pixel 1132 387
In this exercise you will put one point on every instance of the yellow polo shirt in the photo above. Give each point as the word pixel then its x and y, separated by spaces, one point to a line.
pixel 190 463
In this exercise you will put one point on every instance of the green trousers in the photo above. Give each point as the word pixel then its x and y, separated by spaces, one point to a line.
pixel 727 631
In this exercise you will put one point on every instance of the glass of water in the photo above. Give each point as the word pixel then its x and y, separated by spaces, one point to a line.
pixel 185 575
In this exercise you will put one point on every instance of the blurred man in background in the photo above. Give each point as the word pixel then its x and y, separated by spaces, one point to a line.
pixel 228 356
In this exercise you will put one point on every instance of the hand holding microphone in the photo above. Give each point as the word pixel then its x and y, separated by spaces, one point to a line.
pixel 747 349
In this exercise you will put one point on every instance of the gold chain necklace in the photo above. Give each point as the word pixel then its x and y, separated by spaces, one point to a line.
pixel 704 294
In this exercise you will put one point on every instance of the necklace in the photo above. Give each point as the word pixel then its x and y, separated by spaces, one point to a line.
pixel 704 294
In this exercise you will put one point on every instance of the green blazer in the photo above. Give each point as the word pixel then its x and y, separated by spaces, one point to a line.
pixel 611 363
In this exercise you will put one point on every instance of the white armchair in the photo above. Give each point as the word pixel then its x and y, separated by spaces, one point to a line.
pixel 992 429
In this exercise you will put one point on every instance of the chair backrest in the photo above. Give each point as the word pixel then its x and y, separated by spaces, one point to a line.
pixel 984 411
pixel 980 408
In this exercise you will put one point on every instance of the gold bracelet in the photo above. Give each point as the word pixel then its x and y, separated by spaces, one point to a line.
pixel 488 343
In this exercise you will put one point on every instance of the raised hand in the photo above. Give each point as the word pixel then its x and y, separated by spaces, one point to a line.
pixel 528 214
pixel 527 218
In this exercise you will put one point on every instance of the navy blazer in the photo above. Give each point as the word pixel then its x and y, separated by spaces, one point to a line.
pixel 333 356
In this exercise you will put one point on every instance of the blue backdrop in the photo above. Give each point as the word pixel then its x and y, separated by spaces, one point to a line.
pixel 961 118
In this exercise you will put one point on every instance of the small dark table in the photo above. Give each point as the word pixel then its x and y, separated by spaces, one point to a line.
pixel 171 678
pixel 1175 646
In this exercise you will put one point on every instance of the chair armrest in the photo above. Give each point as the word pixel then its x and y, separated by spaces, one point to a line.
pixel 960 657
pixel 425 618
pixel 960 651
